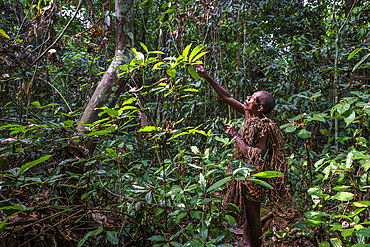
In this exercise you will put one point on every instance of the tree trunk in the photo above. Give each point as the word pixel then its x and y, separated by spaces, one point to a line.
pixel 110 86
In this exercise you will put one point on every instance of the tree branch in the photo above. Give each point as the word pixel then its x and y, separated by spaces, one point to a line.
pixel 60 36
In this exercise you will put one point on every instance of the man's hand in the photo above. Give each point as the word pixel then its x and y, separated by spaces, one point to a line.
pixel 231 130
pixel 201 71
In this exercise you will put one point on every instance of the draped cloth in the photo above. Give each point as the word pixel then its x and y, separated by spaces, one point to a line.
pixel 238 192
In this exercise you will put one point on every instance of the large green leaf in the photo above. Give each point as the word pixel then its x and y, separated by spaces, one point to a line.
pixel 219 184
pixel 324 244
pixel 29 165
pixel 171 72
pixel 364 232
pixel 361 61
pixel 268 174
pixel 361 204
pixel 261 182
pixel 303 133
pixel 343 196
pixel 195 51
pixel 157 238
pixel 91 233
pixel 354 52
pixel 193 73
pixel 185 52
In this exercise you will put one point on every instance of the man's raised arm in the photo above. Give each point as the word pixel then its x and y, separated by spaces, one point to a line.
pixel 225 95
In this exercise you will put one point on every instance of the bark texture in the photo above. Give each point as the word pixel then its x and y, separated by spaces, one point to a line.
pixel 110 87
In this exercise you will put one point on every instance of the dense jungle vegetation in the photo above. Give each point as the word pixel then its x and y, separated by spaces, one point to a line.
pixel 110 138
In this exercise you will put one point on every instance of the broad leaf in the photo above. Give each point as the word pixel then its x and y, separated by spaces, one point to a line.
pixel 29 165
pixel 193 73
pixel 343 196
pixel 268 174
pixel 219 183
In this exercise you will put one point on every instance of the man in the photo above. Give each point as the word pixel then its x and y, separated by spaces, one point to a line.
pixel 258 135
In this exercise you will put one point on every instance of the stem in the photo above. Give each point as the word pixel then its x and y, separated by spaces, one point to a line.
pixel 335 83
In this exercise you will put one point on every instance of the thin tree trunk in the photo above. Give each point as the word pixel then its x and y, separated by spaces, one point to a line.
pixel 110 86
pixel 335 83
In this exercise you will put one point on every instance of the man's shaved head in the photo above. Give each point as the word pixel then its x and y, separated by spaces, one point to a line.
pixel 267 101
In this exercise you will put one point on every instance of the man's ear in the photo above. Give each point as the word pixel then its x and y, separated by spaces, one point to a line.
pixel 260 108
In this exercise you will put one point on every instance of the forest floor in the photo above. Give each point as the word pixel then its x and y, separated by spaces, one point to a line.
pixel 278 230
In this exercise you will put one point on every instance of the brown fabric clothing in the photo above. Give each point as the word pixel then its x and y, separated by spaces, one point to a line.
pixel 252 132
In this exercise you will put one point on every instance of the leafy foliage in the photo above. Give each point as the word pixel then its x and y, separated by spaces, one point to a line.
pixel 158 173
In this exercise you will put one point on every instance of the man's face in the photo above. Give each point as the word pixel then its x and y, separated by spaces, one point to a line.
pixel 252 103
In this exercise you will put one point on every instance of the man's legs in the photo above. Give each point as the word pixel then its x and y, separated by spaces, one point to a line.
pixel 252 229
pixel 254 223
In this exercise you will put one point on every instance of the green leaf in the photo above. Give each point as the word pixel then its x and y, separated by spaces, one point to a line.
pixel 176 244
pixel 186 51
pixel 112 237
pixel 357 211
pixel 29 165
pixel 148 129
pixel 343 196
pixel 157 238
pixel 36 103
pixel 219 184
pixel 195 149
pixel 230 220
pixel 156 52
pixel 324 244
pixel 144 47
pixel 2 224
pixel 342 188
pixel 2 32
pixel 366 164
pixel 171 72
pixel 190 90
pixel 203 231
pixel 195 51
pixel 349 119
pixel 102 132
pixel 364 232
pixel 261 182
pixel 347 232
pixel 193 73
pixel 336 242
pixel 196 214
pixel 361 61
pixel 110 111
pixel 343 108
pixel 268 174
pixel 91 233
pixel 303 133
pixel 361 245
pixel 202 182
pixel 199 56
pixel 354 52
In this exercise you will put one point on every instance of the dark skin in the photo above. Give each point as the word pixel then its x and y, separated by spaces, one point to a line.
pixel 252 107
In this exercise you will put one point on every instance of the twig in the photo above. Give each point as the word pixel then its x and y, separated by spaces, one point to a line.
pixel 347 16
pixel 8 120
pixel 71 216
pixel 20 27
pixel 40 119
pixel 65 101
pixel 60 36
pixel 43 219
pixel 135 200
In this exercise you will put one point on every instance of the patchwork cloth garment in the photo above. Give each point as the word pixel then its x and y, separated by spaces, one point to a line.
pixel 253 130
